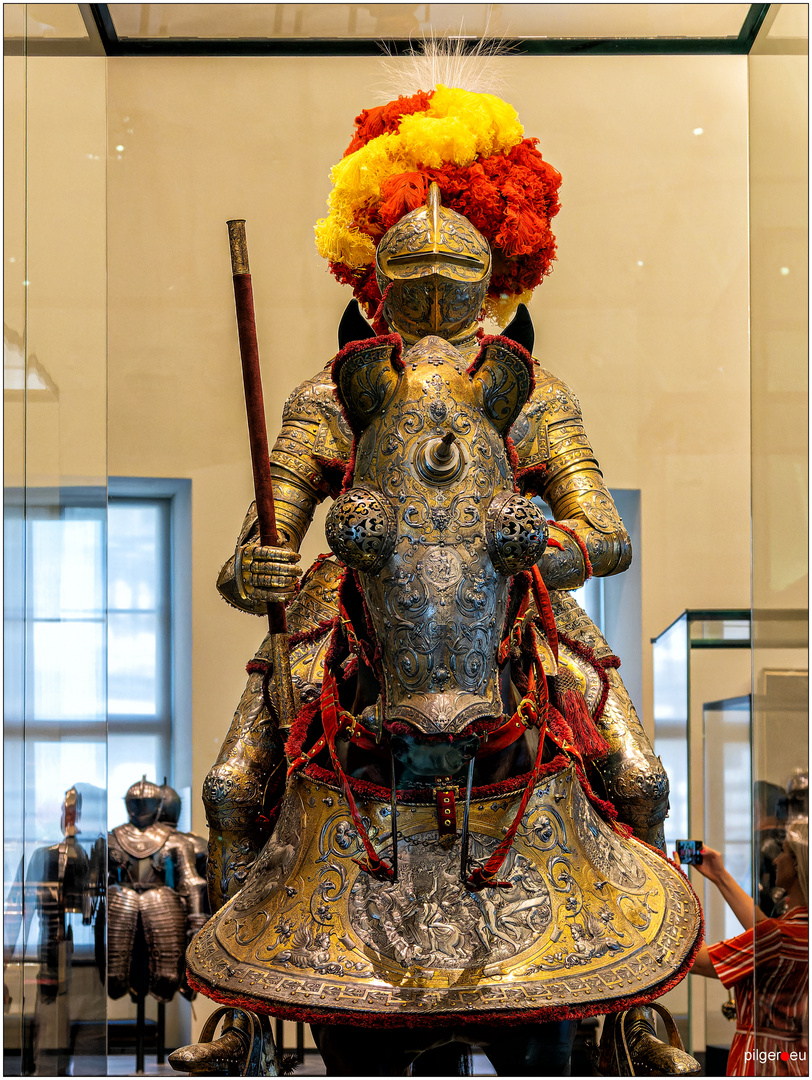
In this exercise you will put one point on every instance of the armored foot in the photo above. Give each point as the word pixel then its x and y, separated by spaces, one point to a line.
pixel 245 1048
pixel 223 1057
pixel 649 1055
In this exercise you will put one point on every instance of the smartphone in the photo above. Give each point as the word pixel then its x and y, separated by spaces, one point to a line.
pixel 690 852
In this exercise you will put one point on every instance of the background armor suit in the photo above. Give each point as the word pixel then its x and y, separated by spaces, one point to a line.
pixel 156 900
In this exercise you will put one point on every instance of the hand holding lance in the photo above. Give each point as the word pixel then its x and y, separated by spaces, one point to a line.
pixel 260 459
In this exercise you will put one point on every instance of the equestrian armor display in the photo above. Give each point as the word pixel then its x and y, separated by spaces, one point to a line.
pixel 448 830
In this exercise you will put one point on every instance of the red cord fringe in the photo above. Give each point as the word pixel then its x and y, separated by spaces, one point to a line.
pixel 586 736
pixel 571 532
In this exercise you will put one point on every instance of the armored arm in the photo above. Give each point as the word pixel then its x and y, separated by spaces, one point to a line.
pixel 557 462
pixel 306 465
pixel 188 883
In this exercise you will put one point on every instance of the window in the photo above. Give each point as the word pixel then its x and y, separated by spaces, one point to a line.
pixel 139 645
pixel 149 676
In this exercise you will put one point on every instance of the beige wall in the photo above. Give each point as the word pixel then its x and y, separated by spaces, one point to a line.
pixel 658 352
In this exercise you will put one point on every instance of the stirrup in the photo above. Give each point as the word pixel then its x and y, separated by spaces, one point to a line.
pixel 616 1054
pixel 260 1057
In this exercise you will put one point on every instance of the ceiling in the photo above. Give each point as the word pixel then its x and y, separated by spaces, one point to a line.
pixel 363 29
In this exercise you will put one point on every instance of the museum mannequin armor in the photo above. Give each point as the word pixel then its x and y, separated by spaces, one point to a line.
pixel 169 814
pixel 62 880
pixel 156 899
pixel 556 462
pixel 432 270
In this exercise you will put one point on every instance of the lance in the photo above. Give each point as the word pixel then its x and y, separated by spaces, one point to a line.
pixel 260 460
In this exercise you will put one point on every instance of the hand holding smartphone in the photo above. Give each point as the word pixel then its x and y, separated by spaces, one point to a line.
pixel 690 852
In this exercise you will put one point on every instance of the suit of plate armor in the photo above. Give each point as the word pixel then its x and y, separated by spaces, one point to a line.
pixel 153 882
pixel 557 463
pixel 62 880
pixel 426 294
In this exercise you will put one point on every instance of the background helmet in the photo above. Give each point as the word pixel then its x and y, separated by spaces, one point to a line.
pixel 170 808
pixel 143 801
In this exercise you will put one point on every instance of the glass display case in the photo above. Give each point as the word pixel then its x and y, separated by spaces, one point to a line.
pixel 676 312
pixel 702 732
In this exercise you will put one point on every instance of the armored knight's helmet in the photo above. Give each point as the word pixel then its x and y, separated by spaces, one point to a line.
pixel 143 801
pixel 171 805
pixel 433 269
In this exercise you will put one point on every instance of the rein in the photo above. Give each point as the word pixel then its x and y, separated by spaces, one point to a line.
pixel 532 711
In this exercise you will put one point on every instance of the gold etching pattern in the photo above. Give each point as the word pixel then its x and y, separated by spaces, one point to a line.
pixel 591 917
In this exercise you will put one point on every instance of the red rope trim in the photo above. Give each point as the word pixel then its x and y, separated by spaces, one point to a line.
pixel 532 479
pixel 349 471
pixel 513 458
pixel 302 637
pixel 562 736
pixel 485 877
pixel 511 346
pixel 545 609
pixel 600 664
pixel 571 532
pixel 299 729
pixel 257 666
pixel 354 347
pixel 365 789
pixel 332 724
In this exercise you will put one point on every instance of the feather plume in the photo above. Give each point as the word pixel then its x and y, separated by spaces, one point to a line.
pixel 445 61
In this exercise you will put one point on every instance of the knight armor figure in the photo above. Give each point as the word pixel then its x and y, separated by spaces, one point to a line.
pixel 156 900
pixel 63 880
pixel 556 463
pixel 439 716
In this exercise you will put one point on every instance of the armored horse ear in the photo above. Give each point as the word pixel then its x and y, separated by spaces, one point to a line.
pixel 354 327
pixel 366 375
pixel 502 378
pixel 520 328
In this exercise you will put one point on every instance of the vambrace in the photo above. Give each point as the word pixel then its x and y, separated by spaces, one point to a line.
pixel 188 884
pixel 576 494
pixel 558 463
pixel 313 443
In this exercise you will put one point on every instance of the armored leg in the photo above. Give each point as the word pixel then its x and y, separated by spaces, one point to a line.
pixel 164 917
pixel 122 921
pixel 236 794
pixel 632 776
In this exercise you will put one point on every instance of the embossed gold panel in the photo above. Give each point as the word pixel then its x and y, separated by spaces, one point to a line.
pixel 592 917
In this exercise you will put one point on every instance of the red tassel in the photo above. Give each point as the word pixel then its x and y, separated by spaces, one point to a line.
pixel 585 735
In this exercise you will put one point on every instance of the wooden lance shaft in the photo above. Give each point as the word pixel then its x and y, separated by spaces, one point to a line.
pixel 260 459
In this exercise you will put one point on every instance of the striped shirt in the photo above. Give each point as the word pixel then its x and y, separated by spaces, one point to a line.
pixel 768 968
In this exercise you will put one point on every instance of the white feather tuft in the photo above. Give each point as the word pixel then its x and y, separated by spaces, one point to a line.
pixel 447 61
